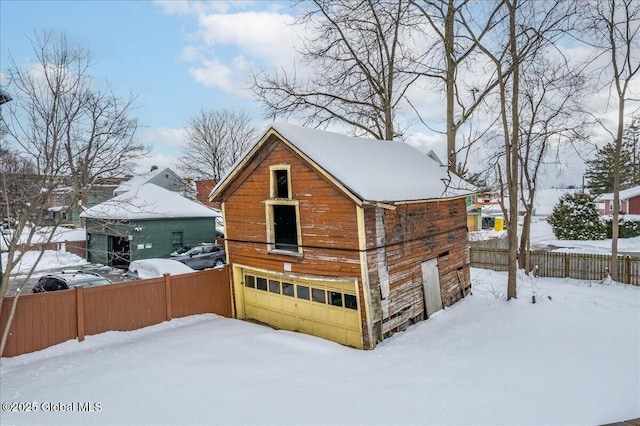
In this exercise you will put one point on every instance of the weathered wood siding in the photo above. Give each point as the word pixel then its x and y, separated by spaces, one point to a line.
pixel 328 222
pixel 328 219
pixel 398 242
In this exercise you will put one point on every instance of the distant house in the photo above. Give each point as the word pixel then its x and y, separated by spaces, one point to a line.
pixel 164 178
pixel 203 189
pixel 61 203
pixel 629 202
pixel 146 222
pixel 349 239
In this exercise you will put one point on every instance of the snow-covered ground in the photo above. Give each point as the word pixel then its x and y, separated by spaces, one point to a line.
pixel 42 235
pixel 50 260
pixel 542 238
pixel 570 358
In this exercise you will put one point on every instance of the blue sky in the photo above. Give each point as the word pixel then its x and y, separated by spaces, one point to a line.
pixel 157 50
pixel 184 56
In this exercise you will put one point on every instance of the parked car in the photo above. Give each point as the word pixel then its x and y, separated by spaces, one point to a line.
pixel 182 250
pixel 153 268
pixel 68 279
pixel 203 256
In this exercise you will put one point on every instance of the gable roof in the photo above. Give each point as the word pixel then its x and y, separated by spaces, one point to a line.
pixel 624 194
pixel 368 169
pixel 165 178
pixel 148 201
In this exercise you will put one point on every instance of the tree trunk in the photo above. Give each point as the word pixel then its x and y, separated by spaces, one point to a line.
pixel 613 270
pixel 450 86
pixel 525 237
pixel 512 174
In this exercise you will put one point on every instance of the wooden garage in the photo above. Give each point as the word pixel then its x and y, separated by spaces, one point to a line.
pixel 348 239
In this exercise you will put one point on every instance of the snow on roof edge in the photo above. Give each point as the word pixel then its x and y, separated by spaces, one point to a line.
pixel 287 133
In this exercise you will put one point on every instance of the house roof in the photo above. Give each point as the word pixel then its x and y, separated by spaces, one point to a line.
pixel 148 201
pixel 136 181
pixel 369 169
pixel 166 178
pixel 624 194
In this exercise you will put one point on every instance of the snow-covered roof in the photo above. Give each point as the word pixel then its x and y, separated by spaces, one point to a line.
pixel 136 181
pixel 625 194
pixel 165 178
pixel 370 169
pixel 148 201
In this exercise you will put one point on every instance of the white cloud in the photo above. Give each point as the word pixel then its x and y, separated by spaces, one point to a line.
pixel 212 73
pixel 230 40
pixel 163 139
pixel 265 35
pixel 425 143
pixel 191 7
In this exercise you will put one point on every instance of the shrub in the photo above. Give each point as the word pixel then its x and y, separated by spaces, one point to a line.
pixel 627 227
pixel 575 217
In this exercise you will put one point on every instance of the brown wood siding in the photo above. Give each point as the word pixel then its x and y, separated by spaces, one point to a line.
pixel 328 219
pixel 415 233
pixel 43 320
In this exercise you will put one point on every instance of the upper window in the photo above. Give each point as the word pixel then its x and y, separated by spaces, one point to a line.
pixel 283 221
pixel 280 181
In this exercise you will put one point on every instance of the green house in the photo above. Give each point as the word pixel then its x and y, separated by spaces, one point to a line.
pixel 146 222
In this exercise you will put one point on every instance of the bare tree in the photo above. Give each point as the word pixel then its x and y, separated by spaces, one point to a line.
pixel 70 133
pixel 552 119
pixel 215 141
pixel 360 57
pixel 525 28
pixel 456 49
pixel 613 28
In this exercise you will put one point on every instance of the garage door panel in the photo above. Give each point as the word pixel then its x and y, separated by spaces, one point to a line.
pixel 321 330
pixel 305 310
pixel 289 306
pixel 320 313
pixel 274 302
pixel 326 309
pixel 305 325
pixel 338 334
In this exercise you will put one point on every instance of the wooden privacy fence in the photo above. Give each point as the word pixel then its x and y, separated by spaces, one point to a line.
pixel 563 265
pixel 46 319
pixel 79 248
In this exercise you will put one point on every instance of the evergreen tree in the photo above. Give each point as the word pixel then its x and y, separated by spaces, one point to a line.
pixel 575 217
pixel 631 143
pixel 599 171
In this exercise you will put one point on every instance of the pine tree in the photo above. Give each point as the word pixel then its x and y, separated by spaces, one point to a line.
pixel 631 144
pixel 575 217
pixel 599 171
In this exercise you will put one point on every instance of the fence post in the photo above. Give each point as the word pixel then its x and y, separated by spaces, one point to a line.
pixel 565 260
pixel 627 270
pixel 167 295
pixel 80 311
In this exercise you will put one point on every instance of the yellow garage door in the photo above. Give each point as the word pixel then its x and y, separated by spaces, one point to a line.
pixel 323 308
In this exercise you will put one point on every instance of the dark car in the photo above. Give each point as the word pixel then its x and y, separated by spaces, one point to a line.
pixel 68 279
pixel 182 250
pixel 203 256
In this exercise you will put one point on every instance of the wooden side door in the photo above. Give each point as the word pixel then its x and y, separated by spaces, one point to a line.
pixel 431 286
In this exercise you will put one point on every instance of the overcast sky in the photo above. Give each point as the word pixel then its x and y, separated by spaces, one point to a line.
pixel 181 57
